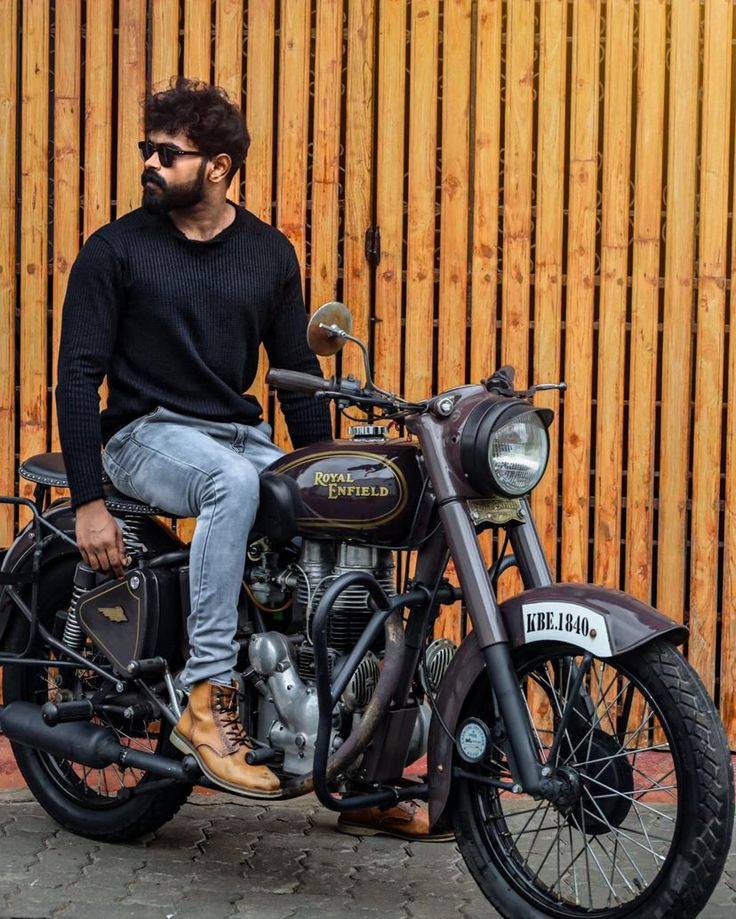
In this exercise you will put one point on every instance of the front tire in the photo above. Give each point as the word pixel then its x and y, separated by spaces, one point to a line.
pixel 651 830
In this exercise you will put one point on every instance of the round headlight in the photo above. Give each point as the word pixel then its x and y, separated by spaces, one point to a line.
pixel 505 447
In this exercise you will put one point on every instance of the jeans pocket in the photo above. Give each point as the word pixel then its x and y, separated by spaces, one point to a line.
pixel 118 475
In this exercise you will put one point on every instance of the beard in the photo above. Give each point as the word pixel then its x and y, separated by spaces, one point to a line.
pixel 178 197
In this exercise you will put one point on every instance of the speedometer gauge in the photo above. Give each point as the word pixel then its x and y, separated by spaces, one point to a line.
pixel 473 740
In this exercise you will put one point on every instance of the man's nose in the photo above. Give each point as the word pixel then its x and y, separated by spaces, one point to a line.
pixel 153 160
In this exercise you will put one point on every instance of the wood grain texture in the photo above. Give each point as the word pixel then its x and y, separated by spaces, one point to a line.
pixel 229 63
pixel 165 44
pixel 517 199
pixel 326 158
pixel 645 297
pixel 259 116
pixel 8 285
pixel 617 138
pixel 454 194
pixel 197 39
pixel 728 598
pixel 714 178
pixel 422 168
pixel 358 174
pixel 293 120
pixel 678 316
pixel 548 267
pixel 98 145
pixel 131 76
pixel 34 267
pixel 484 211
pixel 581 241
pixel 67 135
pixel 390 190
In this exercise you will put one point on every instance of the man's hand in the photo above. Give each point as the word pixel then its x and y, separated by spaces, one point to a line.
pixel 100 539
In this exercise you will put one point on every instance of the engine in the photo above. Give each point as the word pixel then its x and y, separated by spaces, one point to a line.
pixel 288 709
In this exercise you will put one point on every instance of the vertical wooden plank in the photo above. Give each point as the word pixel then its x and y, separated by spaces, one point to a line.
pixel 390 190
pixel 487 147
pixel 229 62
pixel 326 156
pixel 645 295
pixel 67 109
pixel 728 604
pixel 164 42
pixel 454 196
pixel 358 174
pixel 197 39
pixel 422 165
pixel 34 231
pixel 132 88
pixel 259 103
pixel 580 289
pixel 548 269
pixel 517 205
pixel 98 115
pixel 678 309
pixel 8 117
pixel 292 139
pixel 617 128
pixel 714 156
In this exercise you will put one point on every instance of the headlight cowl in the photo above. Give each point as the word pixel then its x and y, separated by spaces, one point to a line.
pixel 504 447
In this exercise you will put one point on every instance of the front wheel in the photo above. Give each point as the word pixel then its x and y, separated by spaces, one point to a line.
pixel 648 826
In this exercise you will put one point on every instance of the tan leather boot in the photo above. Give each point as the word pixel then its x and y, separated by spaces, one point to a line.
pixel 406 820
pixel 210 730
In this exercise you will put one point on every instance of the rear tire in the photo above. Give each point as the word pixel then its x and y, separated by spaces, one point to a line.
pixel 683 726
pixel 57 784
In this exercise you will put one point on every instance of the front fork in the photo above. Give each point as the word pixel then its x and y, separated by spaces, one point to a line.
pixel 480 599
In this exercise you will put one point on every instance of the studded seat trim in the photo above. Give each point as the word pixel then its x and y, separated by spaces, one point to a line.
pixel 48 469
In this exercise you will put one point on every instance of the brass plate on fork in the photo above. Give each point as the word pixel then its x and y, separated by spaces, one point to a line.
pixel 495 510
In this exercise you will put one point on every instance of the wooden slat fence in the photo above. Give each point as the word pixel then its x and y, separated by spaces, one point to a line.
pixel 545 183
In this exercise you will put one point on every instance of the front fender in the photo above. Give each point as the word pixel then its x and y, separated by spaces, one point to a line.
pixel 534 616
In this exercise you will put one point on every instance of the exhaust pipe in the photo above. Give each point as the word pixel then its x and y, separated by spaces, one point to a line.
pixel 88 744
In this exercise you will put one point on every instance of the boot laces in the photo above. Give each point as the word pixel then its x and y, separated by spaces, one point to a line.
pixel 227 711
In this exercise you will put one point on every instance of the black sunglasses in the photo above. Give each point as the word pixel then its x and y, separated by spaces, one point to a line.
pixel 166 153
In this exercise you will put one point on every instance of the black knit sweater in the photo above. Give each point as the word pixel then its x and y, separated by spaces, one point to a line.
pixel 177 322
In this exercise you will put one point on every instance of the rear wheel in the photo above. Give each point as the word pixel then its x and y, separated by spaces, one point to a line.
pixel 105 804
pixel 648 824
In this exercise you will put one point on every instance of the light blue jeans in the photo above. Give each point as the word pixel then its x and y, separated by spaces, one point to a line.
pixel 209 470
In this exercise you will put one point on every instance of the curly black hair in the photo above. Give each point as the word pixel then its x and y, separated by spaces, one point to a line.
pixel 205 114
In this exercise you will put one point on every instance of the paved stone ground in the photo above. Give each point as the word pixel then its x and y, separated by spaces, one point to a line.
pixel 226 858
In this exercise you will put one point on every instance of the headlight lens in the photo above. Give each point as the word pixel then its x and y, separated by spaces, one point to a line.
pixel 505 447
pixel 518 452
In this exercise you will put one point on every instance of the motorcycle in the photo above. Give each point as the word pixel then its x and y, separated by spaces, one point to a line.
pixel 570 747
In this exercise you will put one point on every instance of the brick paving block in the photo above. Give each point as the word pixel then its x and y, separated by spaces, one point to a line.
pixel 429 907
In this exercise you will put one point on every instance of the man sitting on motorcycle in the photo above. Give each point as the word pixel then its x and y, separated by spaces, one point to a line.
pixel 172 302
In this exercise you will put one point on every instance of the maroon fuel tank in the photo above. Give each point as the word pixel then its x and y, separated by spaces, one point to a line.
pixel 362 491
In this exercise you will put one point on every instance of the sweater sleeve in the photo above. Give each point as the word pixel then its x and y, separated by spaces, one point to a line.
pixel 307 418
pixel 88 329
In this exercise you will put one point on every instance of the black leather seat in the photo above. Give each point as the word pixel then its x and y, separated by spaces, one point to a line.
pixel 48 469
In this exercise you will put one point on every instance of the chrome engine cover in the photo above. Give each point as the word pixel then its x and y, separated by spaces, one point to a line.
pixel 288 718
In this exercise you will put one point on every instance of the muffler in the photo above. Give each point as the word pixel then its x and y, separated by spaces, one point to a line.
pixel 88 744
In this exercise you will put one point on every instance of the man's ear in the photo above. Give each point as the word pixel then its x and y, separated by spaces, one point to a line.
pixel 219 167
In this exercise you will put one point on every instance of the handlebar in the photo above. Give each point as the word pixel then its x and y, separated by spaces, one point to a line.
pixel 298 382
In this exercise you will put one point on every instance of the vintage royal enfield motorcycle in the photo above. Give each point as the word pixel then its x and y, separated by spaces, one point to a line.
pixel 570 746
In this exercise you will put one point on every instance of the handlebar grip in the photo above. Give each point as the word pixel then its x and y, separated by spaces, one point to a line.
pixel 297 381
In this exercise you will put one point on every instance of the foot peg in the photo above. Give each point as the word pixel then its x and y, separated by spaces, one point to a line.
pixel 264 755
pixel 54 713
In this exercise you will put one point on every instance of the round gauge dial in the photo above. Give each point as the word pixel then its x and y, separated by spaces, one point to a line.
pixel 473 740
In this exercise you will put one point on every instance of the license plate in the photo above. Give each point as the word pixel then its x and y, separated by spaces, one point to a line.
pixel 568 622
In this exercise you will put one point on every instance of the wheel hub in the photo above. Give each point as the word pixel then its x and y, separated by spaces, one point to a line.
pixel 607 784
